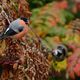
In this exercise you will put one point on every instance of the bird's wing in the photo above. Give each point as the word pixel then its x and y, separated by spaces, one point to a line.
pixel 6 30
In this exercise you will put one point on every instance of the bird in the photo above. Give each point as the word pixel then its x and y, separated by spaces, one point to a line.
pixel 60 52
pixel 17 28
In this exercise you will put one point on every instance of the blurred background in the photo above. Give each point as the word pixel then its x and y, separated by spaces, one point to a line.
pixel 57 22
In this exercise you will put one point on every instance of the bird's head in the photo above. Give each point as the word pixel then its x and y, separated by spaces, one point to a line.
pixel 59 53
pixel 26 20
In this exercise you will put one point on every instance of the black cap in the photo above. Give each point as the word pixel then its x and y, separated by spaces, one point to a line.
pixel 26 20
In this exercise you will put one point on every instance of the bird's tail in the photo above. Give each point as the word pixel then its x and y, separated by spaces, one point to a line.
pixel 2 36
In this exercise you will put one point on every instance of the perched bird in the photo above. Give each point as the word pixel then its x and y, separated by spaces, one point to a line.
pixel 59 53
pixel 18 28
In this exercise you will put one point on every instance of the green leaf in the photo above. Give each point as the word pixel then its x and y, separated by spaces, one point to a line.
pixel 56 31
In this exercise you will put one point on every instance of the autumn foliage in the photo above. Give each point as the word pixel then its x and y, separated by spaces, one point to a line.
pixel 56 25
